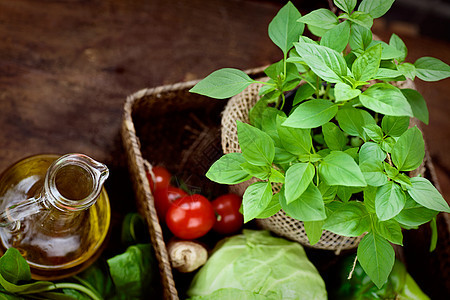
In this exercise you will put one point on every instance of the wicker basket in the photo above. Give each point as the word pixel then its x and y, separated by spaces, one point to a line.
pixel 170 126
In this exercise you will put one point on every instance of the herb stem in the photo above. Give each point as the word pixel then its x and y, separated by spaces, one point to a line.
pixel 263 82
pixel 283 101
pixel 67 285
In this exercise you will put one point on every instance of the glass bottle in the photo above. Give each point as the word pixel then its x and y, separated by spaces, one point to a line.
pixel 56 212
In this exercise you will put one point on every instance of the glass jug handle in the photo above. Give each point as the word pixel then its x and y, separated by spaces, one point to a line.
pixel 11 216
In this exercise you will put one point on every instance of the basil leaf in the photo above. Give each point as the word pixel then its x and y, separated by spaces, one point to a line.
pixel 366 65
pixel 227 169
pixel 417 103
pixel 388 74
pixel 353 120
pixel 372 152
pixel 13 267
pixel 339 168
pixel 321 18
pixel 257 146
pixel 424 193
pixel 272 208
pixel 390 230
pixel 414 214
pixel 407 69
pixel 308 207
pixel 373 172
pixel 409 150
pixel 345 192
pixel 374 132
pixel 394 126
pixel 387 52
pixel 269 123
pixel 223 83
pixel 431 69
pixel 256 199
pixel 376 257
pixel 386 99
pixel 337 37
pixel 327 63
pixel 313 230
pixel 346 5
pixel 389 201
pixel 311 114
pixel 334 137
pixel 376 8
pixel 284 28
pixel 295 140
pixel 298 179
pixel 304 92
pixel 328 191
pixel 351 219
pixel 276 176
pixel 344 92
pixel 396 42
pixel 369 193
pixel 360 37
pixel 261 172
pixel 361 18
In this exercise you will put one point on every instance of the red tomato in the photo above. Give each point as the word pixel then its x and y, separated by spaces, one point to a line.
pixel 229 219
pixel 164 198
pixel 190 217
pixel 161 178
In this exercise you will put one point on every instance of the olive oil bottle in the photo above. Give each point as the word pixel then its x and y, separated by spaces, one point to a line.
pixel 56 212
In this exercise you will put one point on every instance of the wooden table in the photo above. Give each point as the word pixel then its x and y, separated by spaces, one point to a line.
pixel 66 68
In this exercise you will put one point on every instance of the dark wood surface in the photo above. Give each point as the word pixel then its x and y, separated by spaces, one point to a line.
pixel 66 68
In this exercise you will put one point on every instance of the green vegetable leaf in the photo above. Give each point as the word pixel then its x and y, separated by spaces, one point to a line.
pixel 327 63
pixel 374 132
pixel 346 5
pixel 257 146
pixel 308 207
pixel 370 193
pixel 394 126
pixel 223 83
pixel 414 214
pixel 388 51
pixel 431 69
pixel 424 193
pixel 304 92
pixel 350 219
pixel 337 37
pixel 396 42
pixel 339 168
pixel 227 169
pixel 284 28
pixel 360 37
pixel 376 257
pixel 295 140
pixel 376 8
pixel 313 230
pixel 344 92
pixel 13 267
pixel 388 74
pixel 407 69
pixel 276 176
pixel 434 234
pixel 321 18
pixel 361 18
pixel 386 99
pixel 409 151
pixel 417 103
pixel 311 114
pixel 390 230
pixel 353 120
pixel 373 172
pixel 256 199
pixel 334 137
pixel 371 151
pixel 261 172
pixel 389 201
pixel 298 179
pixel 366 65
pixel 271 209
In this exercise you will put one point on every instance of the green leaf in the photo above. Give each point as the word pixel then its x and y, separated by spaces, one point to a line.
pixel 424 193
pixel 376 8
pixel 389 201
pixel 255 113
pixel 360 37
pixel 337 37
pixel 295 140
pixel 390 170
pixel 390 230
pixel 431 69
pixel 417 103
pixel 414 214
pixel 276 176
pixel 434 234
pixel 256 199
pixel 387 144
pixel 344 92
pixel 345 192
pixel 353 120
pixel 304 92
pixel 409 151
pixel 386 99
pixel 361 18
pixel 223 83
pixel 339 168
pixel 269 123
pixel 298 179
pixel 328 191
pixel 373 172
pixel 396 42
pixel 388 74
pixel 403 180
pixel 351 219
pixel 271 209
pixel 334 137
pixel 313 230
pixel 346 5
pixel 311 114
pixel 387 52
pixel 261 172
pixel 13 267
pixel 227 169
pixel 376 257
pixel 394 126
pixel 308 207
pixel 371 151
pixel 284 29
pixel 321 18
pixel 257 146
pixel 374 132
pixel 369 194
pixel 407 69
pixel 366 65
pixel 327 63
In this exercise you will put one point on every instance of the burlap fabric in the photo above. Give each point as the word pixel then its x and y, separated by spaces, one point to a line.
pixel 238 108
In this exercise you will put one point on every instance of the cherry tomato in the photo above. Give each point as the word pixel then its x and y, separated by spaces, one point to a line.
pixel 190 217
pixel 162 178
pixel 229 219
pixel 164 198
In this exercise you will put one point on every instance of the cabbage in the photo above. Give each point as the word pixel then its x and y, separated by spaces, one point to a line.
pixel 257 265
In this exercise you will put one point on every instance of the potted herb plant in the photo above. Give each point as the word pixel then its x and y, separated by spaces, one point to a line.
pixel 342 150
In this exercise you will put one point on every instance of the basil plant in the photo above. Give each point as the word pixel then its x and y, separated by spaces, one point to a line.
pixel 342 148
